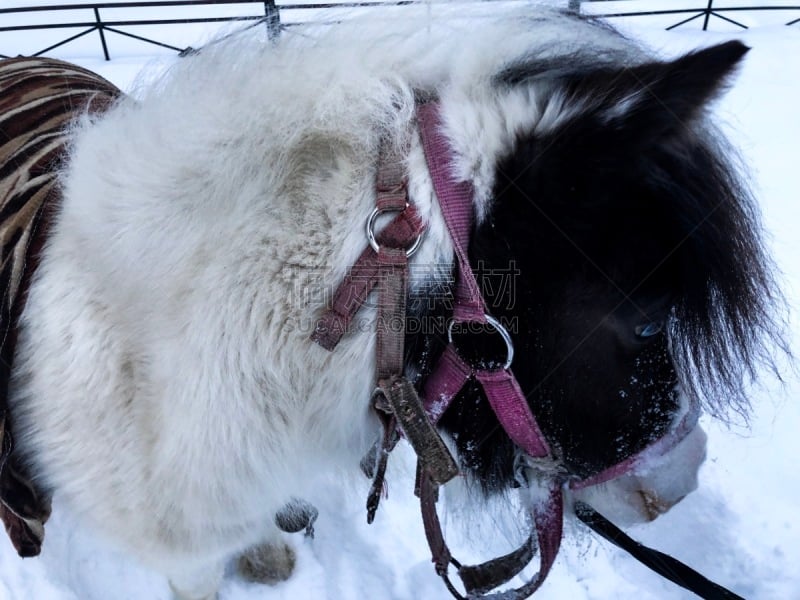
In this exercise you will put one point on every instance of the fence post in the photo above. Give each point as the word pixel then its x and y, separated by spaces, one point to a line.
pixel 708 14
pixel 273 19
pixel 100 31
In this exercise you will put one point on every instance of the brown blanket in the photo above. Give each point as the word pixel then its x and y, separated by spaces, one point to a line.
pixel 39 97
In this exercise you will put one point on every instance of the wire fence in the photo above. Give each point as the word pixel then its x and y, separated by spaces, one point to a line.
pixel 171 24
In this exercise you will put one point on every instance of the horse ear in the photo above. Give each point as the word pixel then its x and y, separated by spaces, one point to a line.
pixel 662 98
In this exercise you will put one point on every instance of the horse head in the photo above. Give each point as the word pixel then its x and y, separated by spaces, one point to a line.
pixel 623 255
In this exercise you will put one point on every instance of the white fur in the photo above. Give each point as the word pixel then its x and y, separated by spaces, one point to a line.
pixel 165 385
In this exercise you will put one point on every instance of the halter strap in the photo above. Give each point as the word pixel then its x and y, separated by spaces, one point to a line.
pixel 455 201
pixel 403 410
pixel 663 564
pixel 383 259
pixel 502 390
pixel 682 428
pixel 480 580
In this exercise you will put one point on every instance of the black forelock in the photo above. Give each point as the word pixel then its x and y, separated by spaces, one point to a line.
pixel 725 323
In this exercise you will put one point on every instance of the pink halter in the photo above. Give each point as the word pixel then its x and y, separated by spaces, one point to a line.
pixel 500 386
pixel 451 373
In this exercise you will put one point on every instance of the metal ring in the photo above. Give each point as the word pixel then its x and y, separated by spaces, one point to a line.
pixel 499 328
pixel 371 232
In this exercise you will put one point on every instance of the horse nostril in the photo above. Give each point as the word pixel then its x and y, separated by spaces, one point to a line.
pixel 654 506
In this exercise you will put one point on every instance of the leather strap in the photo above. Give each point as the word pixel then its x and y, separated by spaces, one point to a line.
pixel 393 281
pixel 446 380
pixel 395 398
pixel 512 410
pixel 663 564
pixel 407 408
pixel 387 265
pixel 480 580
pixel 455 201
pixel 362 278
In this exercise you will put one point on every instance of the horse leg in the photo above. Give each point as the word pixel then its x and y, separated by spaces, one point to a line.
pixel 198 582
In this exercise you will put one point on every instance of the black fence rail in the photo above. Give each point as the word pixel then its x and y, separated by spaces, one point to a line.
pixel 103 18
pixel 705 12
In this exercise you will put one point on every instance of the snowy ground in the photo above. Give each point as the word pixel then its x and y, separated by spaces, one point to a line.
pixel 740 527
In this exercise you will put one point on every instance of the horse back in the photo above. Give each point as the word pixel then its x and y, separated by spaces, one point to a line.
pixel 39 98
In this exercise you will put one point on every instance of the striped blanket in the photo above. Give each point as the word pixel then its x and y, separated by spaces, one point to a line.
pixel 39 97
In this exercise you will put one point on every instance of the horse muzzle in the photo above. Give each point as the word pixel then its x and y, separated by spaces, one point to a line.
pixel 653 486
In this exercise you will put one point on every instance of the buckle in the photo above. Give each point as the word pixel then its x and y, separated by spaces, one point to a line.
pixel 497 326
pixel 370 228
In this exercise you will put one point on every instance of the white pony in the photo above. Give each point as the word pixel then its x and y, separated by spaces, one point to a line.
pixel 165 387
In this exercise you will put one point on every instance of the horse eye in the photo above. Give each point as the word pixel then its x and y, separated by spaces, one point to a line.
pixel 649 330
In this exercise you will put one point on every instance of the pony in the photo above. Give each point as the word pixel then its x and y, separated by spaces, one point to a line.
pixel 165 384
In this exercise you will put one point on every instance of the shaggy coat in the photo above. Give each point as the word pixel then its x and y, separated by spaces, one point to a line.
pixel 165 386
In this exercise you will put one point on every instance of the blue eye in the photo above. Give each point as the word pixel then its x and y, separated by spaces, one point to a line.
pixel 650 329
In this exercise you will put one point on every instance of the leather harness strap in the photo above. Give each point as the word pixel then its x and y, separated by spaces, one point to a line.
pixel 479 580
pixel 395 397
pixel 663 564
pixel 362 278
pixel 507 400
pixel 385 264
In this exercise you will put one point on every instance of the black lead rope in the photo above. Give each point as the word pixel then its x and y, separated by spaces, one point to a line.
pixel 663 564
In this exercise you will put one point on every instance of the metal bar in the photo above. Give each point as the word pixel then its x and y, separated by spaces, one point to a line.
pixel 692 18
pixel 651 13
pixel 130 23
pixel 708 14
pixel 66 41
pixel 754 8
pixel 357 4
pixel 167 3
pixel 152 4
pixel 724 18
pixel 272 16
pixel 726 8
pixel 144 39
pixel 100 31
pixel 674 11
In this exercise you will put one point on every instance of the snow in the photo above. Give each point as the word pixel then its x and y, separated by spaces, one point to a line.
pixel 740 528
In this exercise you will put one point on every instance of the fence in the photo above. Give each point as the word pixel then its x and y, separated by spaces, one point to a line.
pixel 107 19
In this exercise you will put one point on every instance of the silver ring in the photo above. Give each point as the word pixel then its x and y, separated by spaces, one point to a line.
pixel 499 328
pixel 371 232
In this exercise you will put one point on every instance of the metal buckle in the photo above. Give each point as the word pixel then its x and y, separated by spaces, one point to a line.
pixel 499 328
pixel 370 228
